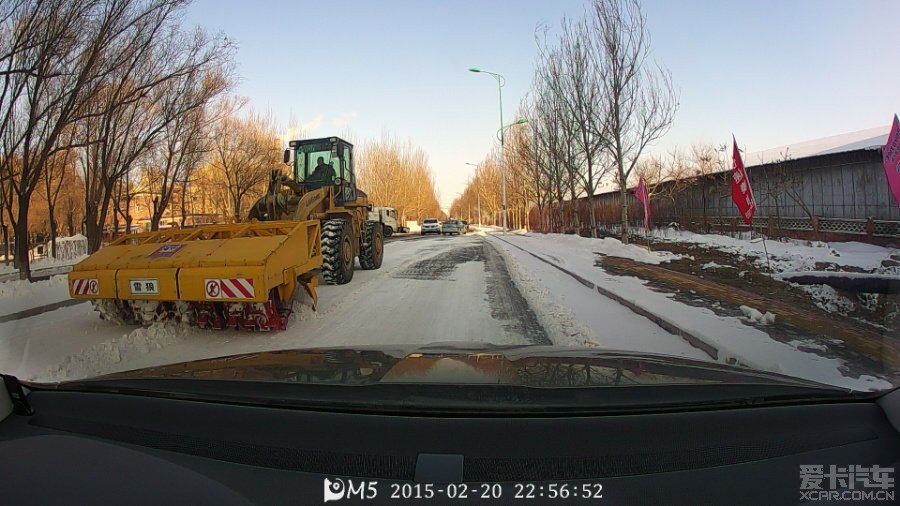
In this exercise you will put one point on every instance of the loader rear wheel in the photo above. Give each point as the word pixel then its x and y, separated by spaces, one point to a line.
pixel 371 251
pixel 337 252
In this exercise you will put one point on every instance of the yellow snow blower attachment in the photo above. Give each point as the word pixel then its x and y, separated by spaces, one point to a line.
pixel 243 275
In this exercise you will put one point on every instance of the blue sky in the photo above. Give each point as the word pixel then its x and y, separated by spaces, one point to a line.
pixel 770 72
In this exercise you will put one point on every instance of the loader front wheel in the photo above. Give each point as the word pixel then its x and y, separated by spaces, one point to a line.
pixel 371 252
pixel 337 252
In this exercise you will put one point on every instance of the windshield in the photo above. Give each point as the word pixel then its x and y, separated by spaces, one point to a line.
pixel 583 193
pixel 310 157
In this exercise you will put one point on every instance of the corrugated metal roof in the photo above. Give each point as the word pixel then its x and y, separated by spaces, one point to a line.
pixel 871 138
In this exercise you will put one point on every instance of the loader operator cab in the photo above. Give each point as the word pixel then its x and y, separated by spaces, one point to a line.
pixel 324 162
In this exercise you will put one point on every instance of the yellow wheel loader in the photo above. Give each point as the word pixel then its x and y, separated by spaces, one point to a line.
pixel 243 275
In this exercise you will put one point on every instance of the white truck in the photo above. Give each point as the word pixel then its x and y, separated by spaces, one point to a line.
pixel 390 221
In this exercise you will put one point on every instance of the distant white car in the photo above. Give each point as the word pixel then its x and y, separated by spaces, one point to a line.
pixel 431 226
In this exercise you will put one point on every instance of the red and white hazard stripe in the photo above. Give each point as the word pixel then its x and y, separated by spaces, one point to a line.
pixel 229 288
pixel 85 287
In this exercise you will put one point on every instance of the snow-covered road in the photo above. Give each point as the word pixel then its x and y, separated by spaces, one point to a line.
pixel 427 290
pixel 475 288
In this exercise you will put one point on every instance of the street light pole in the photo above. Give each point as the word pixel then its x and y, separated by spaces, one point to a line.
pixel 500 82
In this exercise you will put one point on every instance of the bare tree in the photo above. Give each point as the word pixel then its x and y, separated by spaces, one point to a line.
pixel 55 176
pixel 51 65
pixel 640 99
pixel 558 150
pixel 568 73
pixel 397 174
pixel 188 115
pixel 140 100
pixel 244 151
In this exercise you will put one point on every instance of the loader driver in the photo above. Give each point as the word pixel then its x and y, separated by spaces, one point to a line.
pixel 323 174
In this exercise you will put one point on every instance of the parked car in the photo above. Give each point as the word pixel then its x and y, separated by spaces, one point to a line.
pixel 450 227
pixel 431 226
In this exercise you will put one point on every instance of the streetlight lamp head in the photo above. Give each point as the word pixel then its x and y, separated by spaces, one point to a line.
pixel 474 69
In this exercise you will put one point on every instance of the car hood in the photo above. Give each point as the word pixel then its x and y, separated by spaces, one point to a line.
pixel 461 363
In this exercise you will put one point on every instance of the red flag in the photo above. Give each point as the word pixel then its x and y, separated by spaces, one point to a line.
pixel 891 158
pixel 741 192
pixel 641 194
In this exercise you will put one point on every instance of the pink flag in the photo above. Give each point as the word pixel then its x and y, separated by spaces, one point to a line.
pixel 641 194
pixel 892 159
pixel 741 193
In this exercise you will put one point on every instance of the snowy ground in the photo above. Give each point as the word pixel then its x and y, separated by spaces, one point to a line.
pixel 737 339
pixel 478 287
pixel 580 316
pixel 17 295
pixel 40 267
pixel 790 258
pixel 789 254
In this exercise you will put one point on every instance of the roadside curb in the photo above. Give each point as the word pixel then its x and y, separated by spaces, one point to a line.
pixel 693 339
pixel 28 313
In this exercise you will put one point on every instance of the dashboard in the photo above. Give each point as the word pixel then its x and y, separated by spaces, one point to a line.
pixel 102 448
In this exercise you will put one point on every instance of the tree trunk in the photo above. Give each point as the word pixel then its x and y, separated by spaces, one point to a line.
pixel 593 216
pixel 576 221
pixel 183 205
pixel 53 227
pixel 5 236
pixel 623 192
pixel 236 207
pixel 540 222
pixel 5 245
pixel 115 222
pixel 21 231
pixel 70 221
pixel 93 231
pixel 156 215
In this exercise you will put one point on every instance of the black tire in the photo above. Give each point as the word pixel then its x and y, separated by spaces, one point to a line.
pixel 388 231
pixel 337 252
pixel 371 251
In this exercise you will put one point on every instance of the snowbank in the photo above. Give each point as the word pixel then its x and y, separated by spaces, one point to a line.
pixel 754 315
pixel 44 263
pixel 787 255
pixel 575 315
pixel 827 298
pixel 714 265
pixel 836 274
pixel 735 340
pixel 607 246
pixel 18 295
